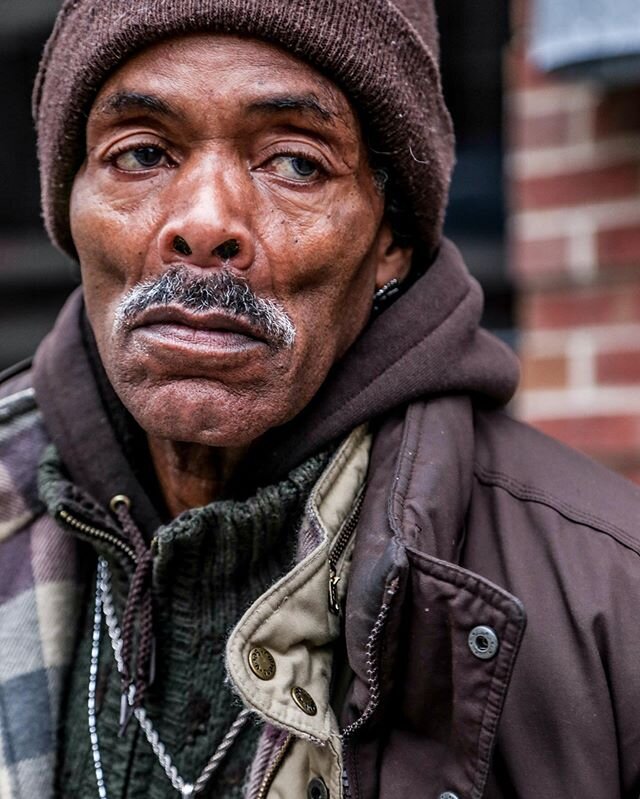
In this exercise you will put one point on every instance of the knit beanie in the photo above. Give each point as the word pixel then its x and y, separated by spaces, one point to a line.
pixel 382 53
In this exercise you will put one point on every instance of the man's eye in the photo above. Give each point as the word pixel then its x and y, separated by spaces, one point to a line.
pixel 140 158
pixel 295 167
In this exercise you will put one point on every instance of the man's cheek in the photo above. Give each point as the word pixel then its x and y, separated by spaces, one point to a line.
pixel 104 224
pixel 102 287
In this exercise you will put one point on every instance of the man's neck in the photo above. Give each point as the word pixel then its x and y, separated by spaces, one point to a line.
pixel 192 475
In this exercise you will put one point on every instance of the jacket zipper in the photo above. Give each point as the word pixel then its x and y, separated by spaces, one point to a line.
pixel 96 533
pixel 275 765
pixel 346 787
pixel 338 549
pixel 372 649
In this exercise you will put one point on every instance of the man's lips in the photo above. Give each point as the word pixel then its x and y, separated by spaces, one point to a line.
pixel 196 327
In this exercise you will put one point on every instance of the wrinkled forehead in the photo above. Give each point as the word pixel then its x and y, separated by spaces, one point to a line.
pixel 225 73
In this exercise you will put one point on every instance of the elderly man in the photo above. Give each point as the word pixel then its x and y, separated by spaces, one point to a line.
pixel 264 530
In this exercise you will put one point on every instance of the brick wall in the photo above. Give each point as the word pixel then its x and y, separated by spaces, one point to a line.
pixel 573 176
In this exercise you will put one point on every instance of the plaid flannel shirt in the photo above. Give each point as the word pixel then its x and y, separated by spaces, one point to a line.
pixel 39 593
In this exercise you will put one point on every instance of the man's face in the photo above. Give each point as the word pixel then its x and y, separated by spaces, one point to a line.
pixel 214 156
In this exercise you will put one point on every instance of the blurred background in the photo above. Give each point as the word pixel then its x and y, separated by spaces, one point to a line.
pixel 545 205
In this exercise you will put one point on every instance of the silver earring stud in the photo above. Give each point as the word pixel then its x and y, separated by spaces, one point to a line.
pixel 386 295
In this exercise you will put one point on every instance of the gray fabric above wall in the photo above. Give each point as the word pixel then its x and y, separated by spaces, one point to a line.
pixel 593 38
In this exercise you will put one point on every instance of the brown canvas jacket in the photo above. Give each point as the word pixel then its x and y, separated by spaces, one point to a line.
pixel 474 520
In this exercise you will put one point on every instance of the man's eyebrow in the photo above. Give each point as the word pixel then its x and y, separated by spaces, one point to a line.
pixel 304 103
pixel 126 101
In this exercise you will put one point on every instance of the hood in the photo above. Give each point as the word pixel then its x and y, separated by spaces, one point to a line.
pixel 428 343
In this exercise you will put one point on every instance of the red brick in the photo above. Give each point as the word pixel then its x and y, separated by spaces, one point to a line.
pixel 598 436
pixel 619 246
pixel 539 259
pixel 618 113
pixel 621 367
pixel 548 130
pixel 539 373
pixel 576 188
pixel 577 307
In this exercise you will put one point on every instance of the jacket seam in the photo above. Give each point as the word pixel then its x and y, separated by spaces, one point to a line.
pixel 398 492
pixel 525 493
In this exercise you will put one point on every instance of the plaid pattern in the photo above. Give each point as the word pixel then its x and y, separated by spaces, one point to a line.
pixel 39 594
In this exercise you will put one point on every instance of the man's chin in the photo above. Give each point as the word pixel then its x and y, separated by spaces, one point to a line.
pixel 211 414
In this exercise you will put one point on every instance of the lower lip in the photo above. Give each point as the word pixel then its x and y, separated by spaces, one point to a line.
pixel 184 337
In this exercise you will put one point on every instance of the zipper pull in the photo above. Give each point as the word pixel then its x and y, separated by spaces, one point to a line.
pixel 334 603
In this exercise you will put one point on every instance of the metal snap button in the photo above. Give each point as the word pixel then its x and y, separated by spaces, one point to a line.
pixel 317 789
pixel 448 795
pixel 483 642
pixel 262 663
pixel 304 701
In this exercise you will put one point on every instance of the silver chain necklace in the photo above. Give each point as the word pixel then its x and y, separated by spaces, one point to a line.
pixel 104 605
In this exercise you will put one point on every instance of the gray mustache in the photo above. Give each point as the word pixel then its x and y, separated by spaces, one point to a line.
pixel 217 291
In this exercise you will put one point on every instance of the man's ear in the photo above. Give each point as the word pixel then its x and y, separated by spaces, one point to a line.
pixel 392 261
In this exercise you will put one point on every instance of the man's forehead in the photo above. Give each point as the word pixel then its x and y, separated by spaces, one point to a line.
pixel 262 78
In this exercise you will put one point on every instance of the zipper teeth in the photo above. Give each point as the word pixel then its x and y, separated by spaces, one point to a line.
pixel 373 668
pixel 340 545
pixel 346 787
pixel 97 533
pixel 346 532
pixel 275 765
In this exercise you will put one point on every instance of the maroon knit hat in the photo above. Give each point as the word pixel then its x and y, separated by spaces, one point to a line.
pixel 382 53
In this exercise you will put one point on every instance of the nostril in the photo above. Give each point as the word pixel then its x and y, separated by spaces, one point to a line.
pixel 227 250
pixel 180 246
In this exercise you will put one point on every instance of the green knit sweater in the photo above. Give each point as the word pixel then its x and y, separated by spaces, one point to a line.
pixel 211 564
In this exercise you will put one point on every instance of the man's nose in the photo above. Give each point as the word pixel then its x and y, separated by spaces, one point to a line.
pixel 207 224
